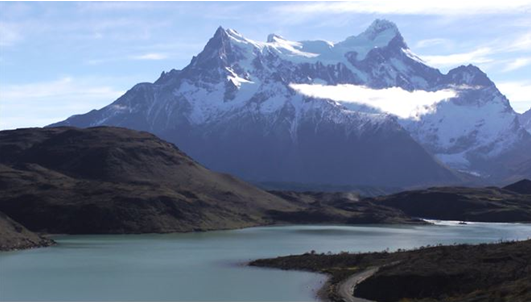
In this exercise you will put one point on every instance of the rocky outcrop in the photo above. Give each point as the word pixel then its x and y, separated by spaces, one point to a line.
pixel 14 236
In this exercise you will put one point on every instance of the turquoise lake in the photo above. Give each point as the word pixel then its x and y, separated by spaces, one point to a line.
pixel 209 266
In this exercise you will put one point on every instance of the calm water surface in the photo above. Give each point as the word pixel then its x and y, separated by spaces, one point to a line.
pixel 208 266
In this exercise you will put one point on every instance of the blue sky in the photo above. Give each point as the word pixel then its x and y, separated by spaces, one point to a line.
pixel 64 58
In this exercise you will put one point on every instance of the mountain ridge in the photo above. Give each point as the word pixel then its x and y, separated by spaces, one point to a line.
pixel 235 97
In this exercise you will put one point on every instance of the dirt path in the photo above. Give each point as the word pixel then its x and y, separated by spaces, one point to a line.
pixel 346 289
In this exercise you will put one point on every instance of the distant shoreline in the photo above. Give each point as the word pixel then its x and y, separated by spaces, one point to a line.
pixel 47 239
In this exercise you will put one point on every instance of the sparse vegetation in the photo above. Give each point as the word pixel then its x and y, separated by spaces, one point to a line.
pixel 460 272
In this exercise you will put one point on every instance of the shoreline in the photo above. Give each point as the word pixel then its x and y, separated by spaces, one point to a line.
pixel 410 274
pixel 429 222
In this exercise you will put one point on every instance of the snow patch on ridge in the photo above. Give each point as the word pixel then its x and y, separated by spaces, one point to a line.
pixel 235 79
pixel 412 55
pixel 397 101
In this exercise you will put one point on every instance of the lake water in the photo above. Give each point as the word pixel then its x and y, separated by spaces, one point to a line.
pixel 208 266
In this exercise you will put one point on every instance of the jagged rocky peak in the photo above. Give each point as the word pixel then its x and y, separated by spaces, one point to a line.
pixel 380 34
pixel 272 38
pixel 227 46
pixel 226 36
pixel 220 36
pixel 166 77
pixel 469 75
pixel 220 32
pixel 381 27
pixel 218 51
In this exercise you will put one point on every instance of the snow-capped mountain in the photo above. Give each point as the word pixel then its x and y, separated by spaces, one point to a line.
pixel 475 130
pixel 234 108
pixel 525 120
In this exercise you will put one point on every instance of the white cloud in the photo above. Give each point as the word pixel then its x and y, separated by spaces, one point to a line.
pixel 150 56
pixel 518 93
pixel 143 57
pixel 517 64
pixel 395 100
pixel 522 43
pixel 410 7
pixel 39 104
pixel 477 56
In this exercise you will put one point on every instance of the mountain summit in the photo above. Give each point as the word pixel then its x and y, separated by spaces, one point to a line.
pixel 381 32
pixel 379 26
pixel 234 109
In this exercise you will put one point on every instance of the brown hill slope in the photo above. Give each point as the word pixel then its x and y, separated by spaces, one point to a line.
pixel 114 180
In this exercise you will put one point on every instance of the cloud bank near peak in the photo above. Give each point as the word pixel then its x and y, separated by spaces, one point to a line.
pixel 397 101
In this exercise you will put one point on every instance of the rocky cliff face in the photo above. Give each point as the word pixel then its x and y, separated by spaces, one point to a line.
pixel 525 120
